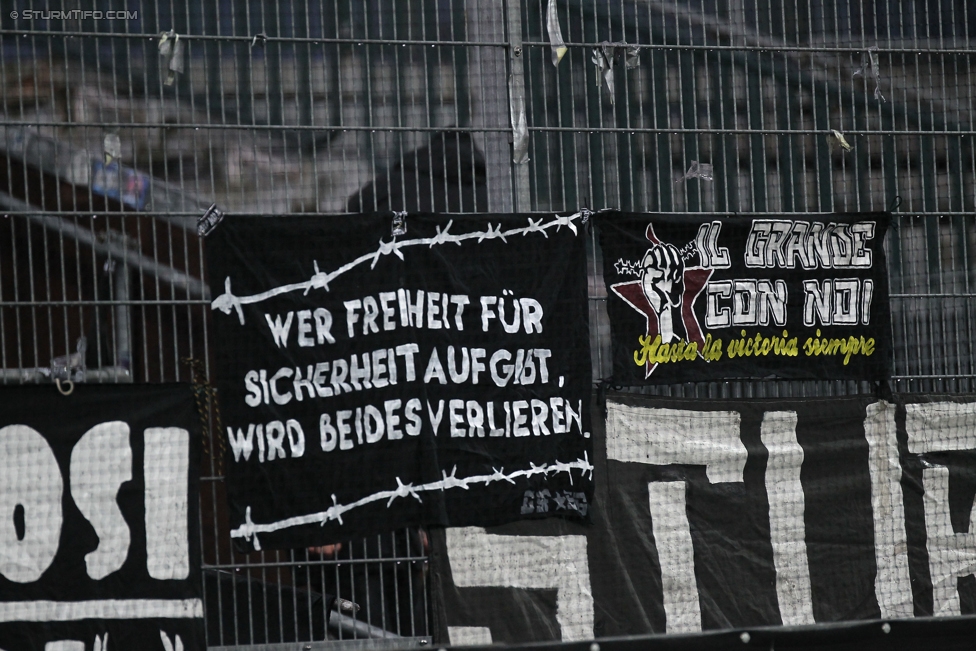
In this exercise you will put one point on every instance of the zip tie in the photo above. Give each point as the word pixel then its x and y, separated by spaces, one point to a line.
pixel 631 56
pixel 171 49
pixel 559 48
pixel 68 383
pixel 399 226
pixel 603 60
pixel 207 222
pixel 65 366
pixel 703 171
pixel 604 55
pixel 836 140
pixel 112 147
pixel 871 68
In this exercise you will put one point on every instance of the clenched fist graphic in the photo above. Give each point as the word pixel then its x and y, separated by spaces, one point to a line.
pixel 662 279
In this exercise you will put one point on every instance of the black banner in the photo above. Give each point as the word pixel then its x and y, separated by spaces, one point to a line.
pixel 712 515
pixel 698 299
pixel 370 381
pixel 99 529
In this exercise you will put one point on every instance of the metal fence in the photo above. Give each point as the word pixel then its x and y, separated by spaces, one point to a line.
pixel 122 121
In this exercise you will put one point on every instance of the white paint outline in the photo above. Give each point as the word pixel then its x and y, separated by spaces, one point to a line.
pixel 227 301
pixel 249 529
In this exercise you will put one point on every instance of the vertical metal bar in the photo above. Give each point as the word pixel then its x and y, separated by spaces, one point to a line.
pixel 688 66
pixel 593 99
pixel 787 107
pixel 932 237
pixel 516 90
pixel 757 147
pixel 459 57
pixel 123 326
pixel 485 22
pixel 662 120
pixel 566 117
pixel 725 157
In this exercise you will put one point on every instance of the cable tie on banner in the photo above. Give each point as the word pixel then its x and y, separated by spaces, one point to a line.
pixel 209 220
pixel 895 203
pixel 585 212
pixel 399 226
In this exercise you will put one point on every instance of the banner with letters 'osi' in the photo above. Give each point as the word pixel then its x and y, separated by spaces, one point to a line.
pixel 99 522
pixel 371 379
pixel 706 298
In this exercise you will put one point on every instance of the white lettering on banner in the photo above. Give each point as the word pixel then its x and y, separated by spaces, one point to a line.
pixel 785 244
pixel 892 583
pixel 712 255
pixel 469 635
pixel 167 467
pixel 841 301
pixel 371 423
pixel 943 427
pixel 73 611
pixel 387 366
pixel 479 559
pixel 787 530
pixel 391 310
pixel 676 554
pixel 34 488
pixel 100 462
pixel 65 645
pixel 241 442
pixel 521 313
pixel 754 302
pixel 279 329
pixel 672 436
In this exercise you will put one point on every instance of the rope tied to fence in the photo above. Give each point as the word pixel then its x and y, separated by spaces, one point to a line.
pixel 205 396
